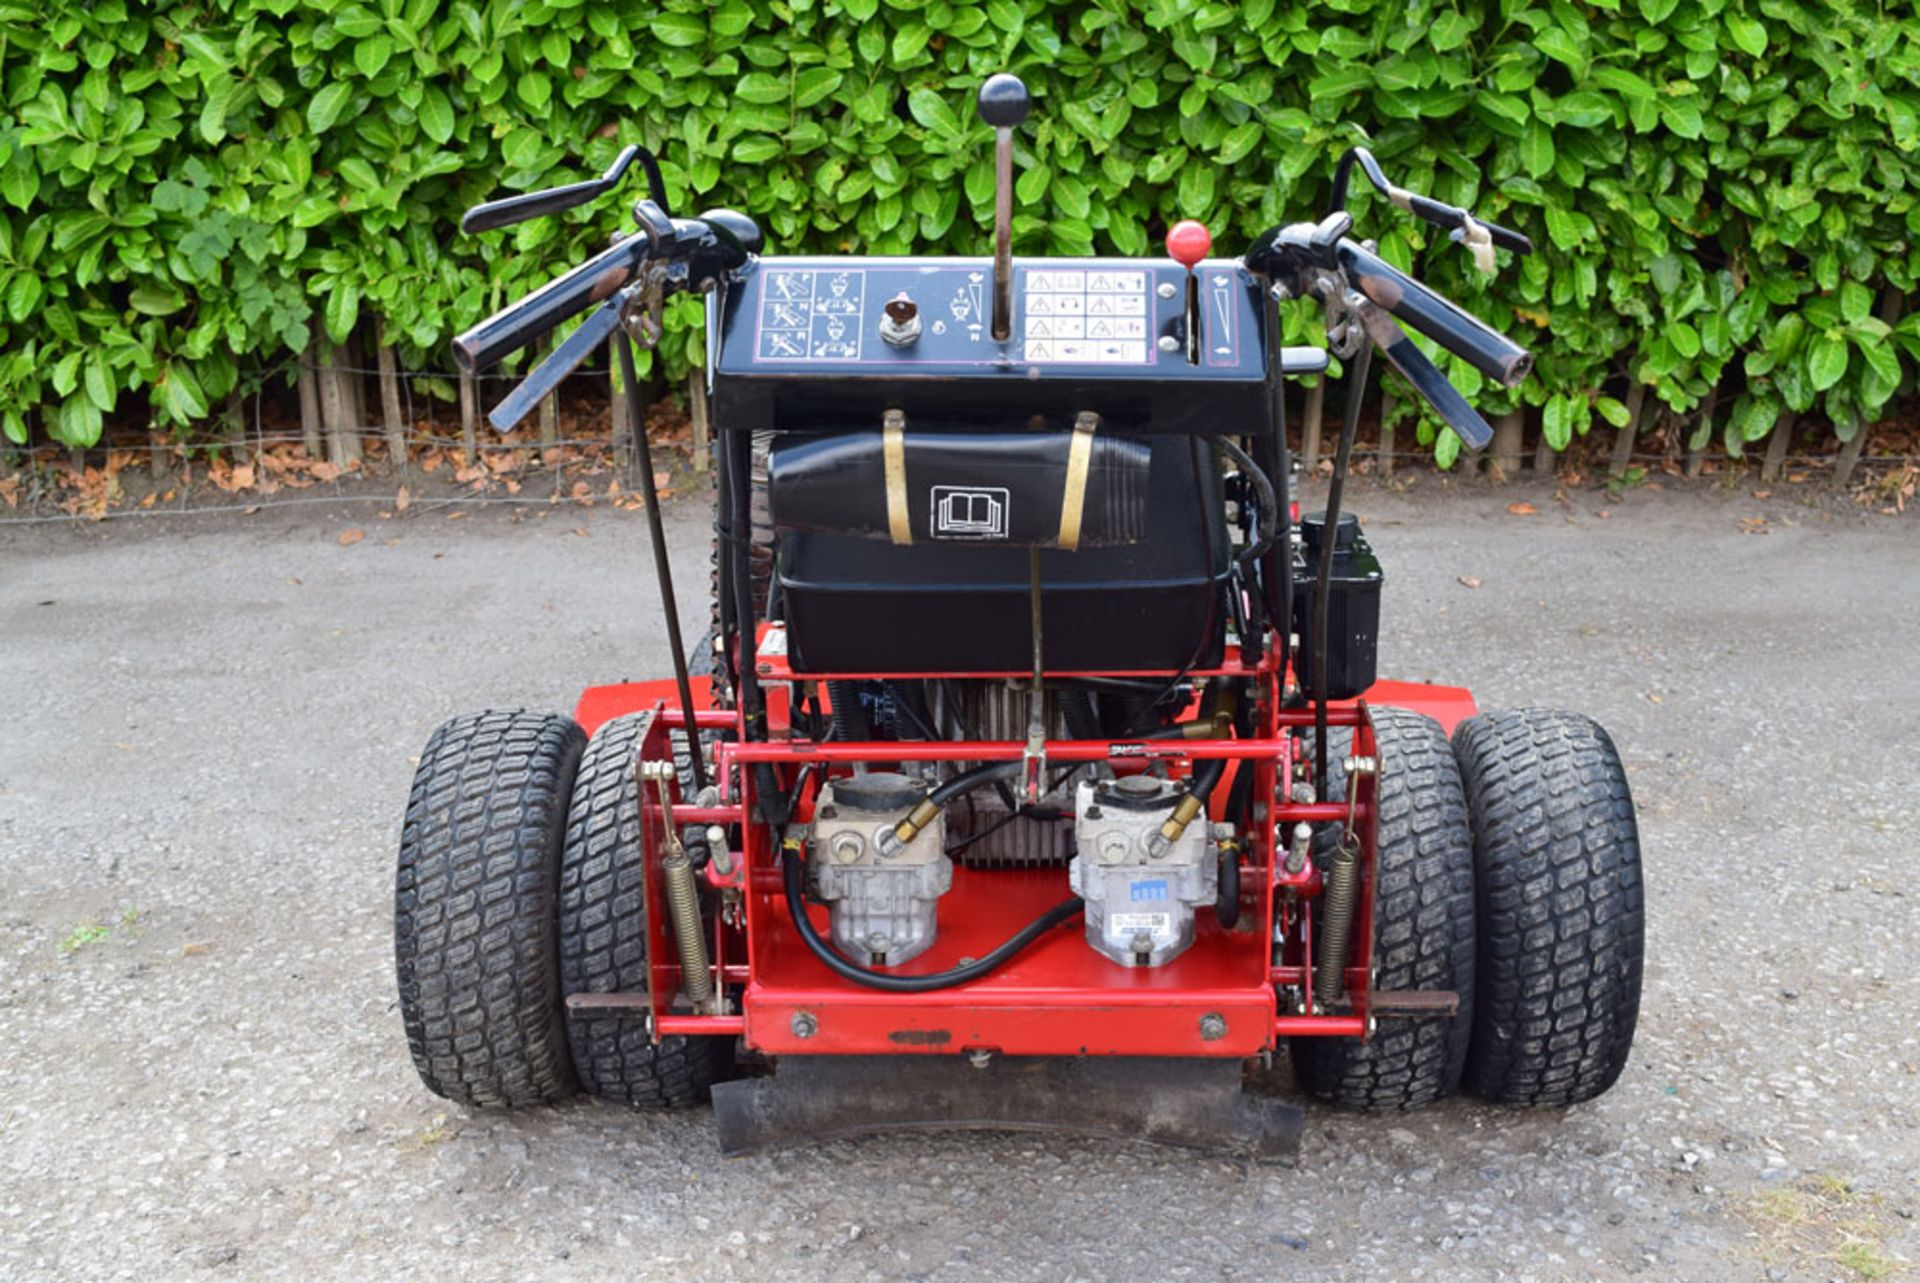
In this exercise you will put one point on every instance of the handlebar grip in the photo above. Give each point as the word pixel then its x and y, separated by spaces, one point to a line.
pixel 533 317
pixel 1446 323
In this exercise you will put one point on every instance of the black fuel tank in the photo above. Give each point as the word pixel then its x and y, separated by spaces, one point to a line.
pixel 855 604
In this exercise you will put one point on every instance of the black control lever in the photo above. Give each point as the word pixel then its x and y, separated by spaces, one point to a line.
pixel 517 209
pixel 1457 221
pixel 1003 104
pixel 1425 377
pixel 591 335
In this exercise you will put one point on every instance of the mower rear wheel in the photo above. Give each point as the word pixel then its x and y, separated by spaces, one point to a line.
pixel 473 928
pixel 1423 925
pixel 1557 864
pixel 603 937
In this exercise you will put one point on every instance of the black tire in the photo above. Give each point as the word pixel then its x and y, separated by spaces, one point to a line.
pixel 603 940
pixel 473 927
pixel 1423 912
pixel 1557 863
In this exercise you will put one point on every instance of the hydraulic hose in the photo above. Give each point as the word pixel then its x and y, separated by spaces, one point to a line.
pixel 797 909
pixel 1269 507
pixel 849 714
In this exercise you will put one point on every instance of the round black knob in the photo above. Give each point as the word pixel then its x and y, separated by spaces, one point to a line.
pixel 1004 101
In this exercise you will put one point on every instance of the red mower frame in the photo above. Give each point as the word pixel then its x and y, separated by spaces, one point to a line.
pixel 1236 993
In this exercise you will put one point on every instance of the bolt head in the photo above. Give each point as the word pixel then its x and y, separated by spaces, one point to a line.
pixel 1168 343
pixel 1213 1027
pixel 803 1025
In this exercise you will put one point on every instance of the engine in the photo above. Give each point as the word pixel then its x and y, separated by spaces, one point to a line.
pixel 1140 904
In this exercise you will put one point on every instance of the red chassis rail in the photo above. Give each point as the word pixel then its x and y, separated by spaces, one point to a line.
pixel 1233 994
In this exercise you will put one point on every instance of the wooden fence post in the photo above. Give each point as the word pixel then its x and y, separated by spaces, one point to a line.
pixel 159 457
pixel 309 385
pixel 336 409
pixel 1777 442
pixel 1629 431
pixel 1311 421
pixel 390 414
pixel 622 430
pixel 469 419
pixel 1383 465
pixel 702 431
pixel 549 423
pixel 1544 463
pixel 1849 457
pixel 1505 456
pixel 697 409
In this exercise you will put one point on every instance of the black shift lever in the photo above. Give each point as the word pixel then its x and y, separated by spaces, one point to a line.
pixel 1003 104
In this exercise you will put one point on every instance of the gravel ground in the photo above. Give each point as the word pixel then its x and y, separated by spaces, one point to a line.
pixel 203 757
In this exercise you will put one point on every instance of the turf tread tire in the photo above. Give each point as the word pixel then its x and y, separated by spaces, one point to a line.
pixel 603 938
pixel 474 926
pixel 1557 853
pixel 1424 937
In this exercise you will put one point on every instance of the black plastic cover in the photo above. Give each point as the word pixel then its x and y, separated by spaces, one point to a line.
pixel 856 605
pixel 1353 606
pixel 1016 488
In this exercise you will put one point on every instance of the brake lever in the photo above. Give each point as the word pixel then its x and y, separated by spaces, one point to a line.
pixel 588 338
pixel 517 209
pixel 1425 377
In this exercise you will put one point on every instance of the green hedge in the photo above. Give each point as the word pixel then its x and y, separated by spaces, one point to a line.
pixel 1717 188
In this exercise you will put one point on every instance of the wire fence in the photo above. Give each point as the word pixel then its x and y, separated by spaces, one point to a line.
pixel 445 458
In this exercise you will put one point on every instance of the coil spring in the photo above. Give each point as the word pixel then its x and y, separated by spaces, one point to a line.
pixel 1342 880
pixel 689 933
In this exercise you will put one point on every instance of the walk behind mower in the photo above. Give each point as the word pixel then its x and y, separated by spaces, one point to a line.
pixel 1035 772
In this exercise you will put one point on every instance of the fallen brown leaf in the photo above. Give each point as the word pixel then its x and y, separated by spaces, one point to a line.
pixel 1763 494
pixel 1522 509
pixel 350 537
pixel 455 516
pixel 581 531
pixel 194 950
pixel 402 499
pixel 1469 581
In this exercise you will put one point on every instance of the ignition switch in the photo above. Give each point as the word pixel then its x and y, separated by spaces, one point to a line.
pixel 900 320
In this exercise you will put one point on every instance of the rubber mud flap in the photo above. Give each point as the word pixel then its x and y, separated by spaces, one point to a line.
pixel 1185 1102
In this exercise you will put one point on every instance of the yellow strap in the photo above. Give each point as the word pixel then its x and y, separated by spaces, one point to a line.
pixel 1073 498
pixel 893 444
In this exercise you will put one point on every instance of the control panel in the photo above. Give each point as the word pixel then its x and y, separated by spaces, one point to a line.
pixel 1073 317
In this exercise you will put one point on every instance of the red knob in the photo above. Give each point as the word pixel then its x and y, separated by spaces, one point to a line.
pixel 1188 242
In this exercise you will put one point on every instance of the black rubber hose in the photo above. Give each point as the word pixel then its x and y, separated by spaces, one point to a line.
pixel 1205 776
pixel 791 875
pixel 849 714
pixel 1343 459
pixel 1226 901
pixel 1269 508
pixel 967 781
pixel 1076 706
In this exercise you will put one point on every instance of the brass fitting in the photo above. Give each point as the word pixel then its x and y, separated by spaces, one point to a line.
pixel 896 838
pixel 1183 814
